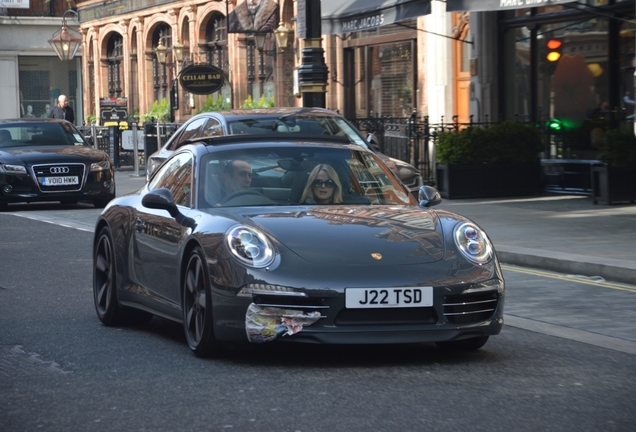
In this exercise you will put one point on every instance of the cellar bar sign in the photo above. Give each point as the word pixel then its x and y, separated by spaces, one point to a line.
pixel 201 79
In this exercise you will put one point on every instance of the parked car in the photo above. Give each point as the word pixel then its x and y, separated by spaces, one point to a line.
pixel 50 160
pixel 268 263
pixel 299 121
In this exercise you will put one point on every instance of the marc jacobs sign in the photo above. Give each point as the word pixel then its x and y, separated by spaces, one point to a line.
pixel 201 79
pixel 366 22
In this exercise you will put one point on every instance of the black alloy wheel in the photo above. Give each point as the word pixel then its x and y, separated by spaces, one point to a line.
pixel 104 274
pixel 109 312
pixel 197 306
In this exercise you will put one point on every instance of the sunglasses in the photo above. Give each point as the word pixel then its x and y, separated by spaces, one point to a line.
pixel 326 183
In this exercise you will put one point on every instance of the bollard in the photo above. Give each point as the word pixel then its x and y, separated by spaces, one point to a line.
pixel 135 148
pixel 113 140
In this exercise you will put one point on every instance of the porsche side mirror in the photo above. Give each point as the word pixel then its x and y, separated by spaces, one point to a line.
pixel 429 196
pixel 161 199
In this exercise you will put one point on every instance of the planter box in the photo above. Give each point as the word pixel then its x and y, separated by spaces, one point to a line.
pixel 489 180
pixel 613 185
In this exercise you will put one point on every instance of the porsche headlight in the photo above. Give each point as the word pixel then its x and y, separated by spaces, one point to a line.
pixel 473 243
pixel 12 169
pixel 250 246
pixel 100 166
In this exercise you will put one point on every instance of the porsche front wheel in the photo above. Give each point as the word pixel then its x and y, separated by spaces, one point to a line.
pixel 197 306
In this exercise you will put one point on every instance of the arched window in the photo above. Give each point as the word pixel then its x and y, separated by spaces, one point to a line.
pixel 216 41
pixel 160 78
pixel 114 56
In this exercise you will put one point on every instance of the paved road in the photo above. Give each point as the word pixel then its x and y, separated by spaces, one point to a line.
pixel 61 370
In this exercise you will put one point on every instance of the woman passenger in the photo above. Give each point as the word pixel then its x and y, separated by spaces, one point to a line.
pixel 323 186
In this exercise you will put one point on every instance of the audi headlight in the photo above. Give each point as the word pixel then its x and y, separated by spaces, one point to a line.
pixel 100 166
pixel 12 169
pixel 249 246
pixel 473 243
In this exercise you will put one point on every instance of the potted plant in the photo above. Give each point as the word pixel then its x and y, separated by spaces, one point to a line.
pixel 159 112
pixel 214 105
pixel 614 180
pixel 498 160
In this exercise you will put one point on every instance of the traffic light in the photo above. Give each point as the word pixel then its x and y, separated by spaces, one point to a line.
pixel 555 125
pixel 554 50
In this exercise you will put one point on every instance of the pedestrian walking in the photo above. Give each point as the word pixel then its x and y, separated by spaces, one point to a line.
pixel 62 110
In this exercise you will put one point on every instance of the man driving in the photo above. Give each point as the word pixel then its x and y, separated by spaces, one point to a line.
pixel 237 175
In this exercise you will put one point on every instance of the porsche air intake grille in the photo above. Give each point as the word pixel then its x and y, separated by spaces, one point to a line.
pixel 470 308
pixel 63 170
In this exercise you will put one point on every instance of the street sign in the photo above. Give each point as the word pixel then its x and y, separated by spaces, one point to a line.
pixel 127 140
pixel 114 115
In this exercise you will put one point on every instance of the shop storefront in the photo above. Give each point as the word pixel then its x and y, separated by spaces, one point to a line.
pixel 378 58
pixel 572 68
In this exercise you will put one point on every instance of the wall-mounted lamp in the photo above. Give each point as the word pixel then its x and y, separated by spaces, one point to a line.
pixel 161 51
pixel 66 41
pixel 282 36
pixel 259 40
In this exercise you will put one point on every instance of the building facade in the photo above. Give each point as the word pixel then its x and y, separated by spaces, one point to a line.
pixel 32 74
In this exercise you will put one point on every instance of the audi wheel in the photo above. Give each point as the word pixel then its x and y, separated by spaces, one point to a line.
pixel 197 307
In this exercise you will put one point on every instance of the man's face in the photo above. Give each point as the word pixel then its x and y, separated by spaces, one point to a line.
pixel 253 4
pixel 64 102
pixel 239 178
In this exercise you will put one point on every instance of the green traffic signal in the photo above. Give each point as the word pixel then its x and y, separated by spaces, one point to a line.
pixel 555 125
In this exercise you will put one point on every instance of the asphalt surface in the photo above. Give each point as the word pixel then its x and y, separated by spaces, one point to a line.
pixel 562 233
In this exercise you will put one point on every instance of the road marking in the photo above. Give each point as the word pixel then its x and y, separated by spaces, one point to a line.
pixel 552 275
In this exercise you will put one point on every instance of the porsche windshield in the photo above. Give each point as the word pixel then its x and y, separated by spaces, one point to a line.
pixel 298 175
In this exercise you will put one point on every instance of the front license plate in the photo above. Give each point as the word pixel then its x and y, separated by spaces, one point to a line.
pixel 60 181
pixel 362 298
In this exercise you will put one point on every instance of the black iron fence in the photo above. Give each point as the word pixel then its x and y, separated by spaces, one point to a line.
pixel 411 139
pixel 122 151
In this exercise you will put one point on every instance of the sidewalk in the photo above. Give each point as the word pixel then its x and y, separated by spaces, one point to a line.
pixel 562 233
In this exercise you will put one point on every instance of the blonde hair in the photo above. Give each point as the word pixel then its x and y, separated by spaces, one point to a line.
pixel 308 193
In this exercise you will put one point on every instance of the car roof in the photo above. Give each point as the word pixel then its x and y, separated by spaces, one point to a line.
pixel 252 140
pixel 239 114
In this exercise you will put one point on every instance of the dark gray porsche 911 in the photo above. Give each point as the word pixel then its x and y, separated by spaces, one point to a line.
pixel 260 239
pixel 49 160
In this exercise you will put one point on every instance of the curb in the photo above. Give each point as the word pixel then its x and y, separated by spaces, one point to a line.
pixel 609 269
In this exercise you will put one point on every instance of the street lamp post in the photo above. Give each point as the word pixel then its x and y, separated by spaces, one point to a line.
pixel 177 53
pixel 313 71
pixel 66 41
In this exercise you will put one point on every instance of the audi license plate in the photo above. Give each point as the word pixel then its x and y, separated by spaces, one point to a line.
pixel 60 181
pixel 361 298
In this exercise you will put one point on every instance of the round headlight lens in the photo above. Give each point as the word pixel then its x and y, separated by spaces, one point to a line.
pixel 473 243
pixel 250 246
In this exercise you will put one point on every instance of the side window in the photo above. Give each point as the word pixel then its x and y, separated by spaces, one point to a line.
pixel 212 128
pixel 176 176
pixel 191 130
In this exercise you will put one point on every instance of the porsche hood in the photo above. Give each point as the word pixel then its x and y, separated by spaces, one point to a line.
pixel 356 235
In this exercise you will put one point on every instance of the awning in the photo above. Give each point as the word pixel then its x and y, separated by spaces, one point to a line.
pixel 497 5
pixel 346 16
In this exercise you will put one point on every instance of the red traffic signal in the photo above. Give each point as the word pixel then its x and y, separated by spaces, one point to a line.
pixel 554 50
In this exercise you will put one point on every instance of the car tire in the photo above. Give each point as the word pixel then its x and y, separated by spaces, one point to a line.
pixel 472 344
pixel 108 309
pixel 197 306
